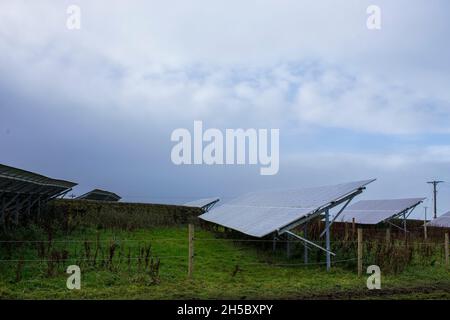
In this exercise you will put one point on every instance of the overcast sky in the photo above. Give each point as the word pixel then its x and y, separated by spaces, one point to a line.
pixel 97 105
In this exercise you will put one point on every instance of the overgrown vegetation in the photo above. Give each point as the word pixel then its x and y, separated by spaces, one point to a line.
pixel 151 263
pixel 74 214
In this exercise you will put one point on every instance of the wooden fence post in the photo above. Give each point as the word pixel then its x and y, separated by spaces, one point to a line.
pixel 388 235
pixel 446 250
pixel 191 251
pixel 288 246
pixel 353 228
pixel 360 251
pixel 346 232
pixel 425 232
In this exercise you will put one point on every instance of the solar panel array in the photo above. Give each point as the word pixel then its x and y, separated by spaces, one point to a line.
pixel 20 190
pixel 14 181
pixel 441 221
pixel 376 211
pixel 261 213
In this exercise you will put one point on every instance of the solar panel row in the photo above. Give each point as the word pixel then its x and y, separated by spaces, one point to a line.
pixel 22 190
pixel 261 213
pixel 13 178
pixel 441 222
pixel 377 211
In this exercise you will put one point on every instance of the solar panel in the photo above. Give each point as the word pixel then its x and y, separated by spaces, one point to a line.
pixel 21 190
pixel 100 195
pixel 376 211
pixel 441 221
pixel 201 203
pixel 261 213
pixel 14 180
pixel 19 175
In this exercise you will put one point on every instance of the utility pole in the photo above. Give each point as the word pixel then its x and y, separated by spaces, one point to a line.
pixel 435 183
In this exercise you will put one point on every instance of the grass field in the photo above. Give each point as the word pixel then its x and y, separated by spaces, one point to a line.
pixel 223 269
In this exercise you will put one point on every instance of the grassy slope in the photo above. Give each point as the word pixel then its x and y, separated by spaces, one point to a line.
pixel 213 275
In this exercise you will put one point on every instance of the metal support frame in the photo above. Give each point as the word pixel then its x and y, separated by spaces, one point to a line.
pixel 305 234
pixel 59 194
pixel 335 217
pixel 327 238
pixel 21 190
pixel 320 210
pixel 39 208
pixel 29 207
pixel 36 200
pixel 11 201
pixel 3 211
pixel 209 206
pixel 325 209
pixel 288 246
pixel 23 203
pixel 16 219
pixel 20 205
pixel 394 225
pixel 43 202
pixel 403 215
pixel 309 242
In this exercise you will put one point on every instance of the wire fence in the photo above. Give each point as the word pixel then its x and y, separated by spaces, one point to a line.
pixel 209 252
pixel 237 240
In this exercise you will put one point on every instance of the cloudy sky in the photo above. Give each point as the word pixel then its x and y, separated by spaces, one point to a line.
pixel 98 105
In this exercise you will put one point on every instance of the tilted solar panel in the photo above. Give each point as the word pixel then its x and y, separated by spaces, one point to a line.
pixel 18 181
pixel 376 211
pixel 442 221
pixel 21 191
pixel 261 213
pixel 19 175
pixel 100 195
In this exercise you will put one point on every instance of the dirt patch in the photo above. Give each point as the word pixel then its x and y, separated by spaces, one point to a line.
pixel 433 291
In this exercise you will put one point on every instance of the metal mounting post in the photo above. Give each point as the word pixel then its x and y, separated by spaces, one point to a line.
pixel 327 238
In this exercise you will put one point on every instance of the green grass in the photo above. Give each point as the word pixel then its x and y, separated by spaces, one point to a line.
pixel 261 275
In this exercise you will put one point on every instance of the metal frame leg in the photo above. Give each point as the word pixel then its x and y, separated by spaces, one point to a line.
pixel 327 238
pixel 305 235
pixel 3 212
pixel 288 246
pixel 16 219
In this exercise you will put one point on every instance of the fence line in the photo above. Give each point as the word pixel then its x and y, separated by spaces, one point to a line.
pixel 191 256
pixel 286 264
pixel 124 258
pixel 393 241
pixel 91 241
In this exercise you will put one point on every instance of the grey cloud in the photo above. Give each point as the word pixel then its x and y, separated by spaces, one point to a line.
pixel 98 106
